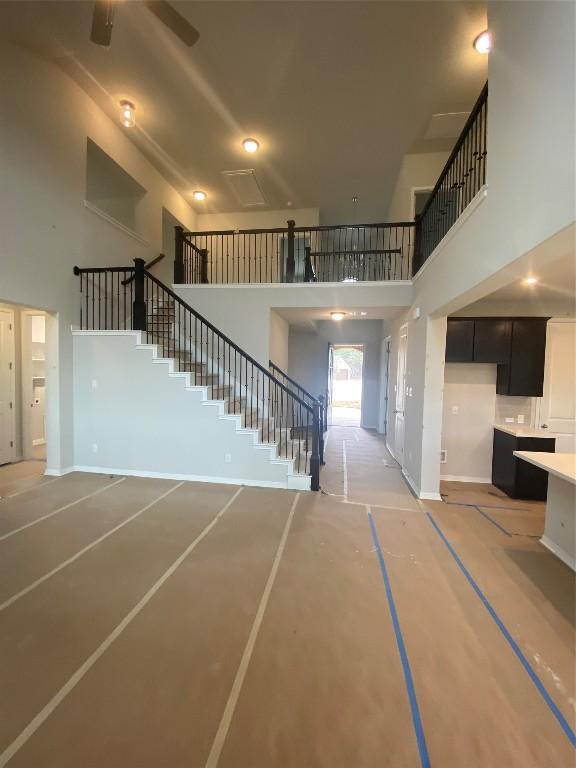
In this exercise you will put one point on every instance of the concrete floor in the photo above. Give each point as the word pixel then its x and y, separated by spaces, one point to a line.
pixel 154 623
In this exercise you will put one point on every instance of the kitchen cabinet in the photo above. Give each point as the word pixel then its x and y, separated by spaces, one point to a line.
pixel 515 477
pixel 460 341
pixel 492 340
pixel 517 345
pixel 524 373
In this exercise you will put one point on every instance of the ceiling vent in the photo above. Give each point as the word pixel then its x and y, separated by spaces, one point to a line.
pixel 447 125
pixel 245 187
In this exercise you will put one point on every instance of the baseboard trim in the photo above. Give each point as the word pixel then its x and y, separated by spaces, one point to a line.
pixel 465 479
pixel 185 477
pixel 560 553
pixel 60 472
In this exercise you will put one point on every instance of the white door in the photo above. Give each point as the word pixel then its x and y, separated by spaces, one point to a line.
pixel 558 405
pixel 6 385
pixel 400 395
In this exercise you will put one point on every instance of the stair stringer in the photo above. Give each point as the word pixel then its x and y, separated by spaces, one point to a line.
pixel 136 414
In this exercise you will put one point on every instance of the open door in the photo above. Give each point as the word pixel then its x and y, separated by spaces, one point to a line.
pixel 400 395
pixel 6 386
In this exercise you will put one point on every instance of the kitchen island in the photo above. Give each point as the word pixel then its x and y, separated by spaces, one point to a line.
pixel 559 528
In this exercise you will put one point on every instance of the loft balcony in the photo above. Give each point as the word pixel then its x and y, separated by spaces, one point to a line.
pixel 345 253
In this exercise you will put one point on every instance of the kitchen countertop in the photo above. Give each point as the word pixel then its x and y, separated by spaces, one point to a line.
pixel 522 430
pixel 563 465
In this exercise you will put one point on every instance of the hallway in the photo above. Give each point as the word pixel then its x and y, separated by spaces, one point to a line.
pixel 211 625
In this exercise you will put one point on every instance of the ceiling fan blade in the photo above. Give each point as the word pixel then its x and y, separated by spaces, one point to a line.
pixel 174 21
pixel 102 22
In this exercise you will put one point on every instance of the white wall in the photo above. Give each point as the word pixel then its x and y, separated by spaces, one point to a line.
pixel 419 170
pixel 308 359
pixel 181 436
pixel 526 217
pixel 468 421
pixel 279 332
pixel 242 312
pixel 304 217
pixel 45 119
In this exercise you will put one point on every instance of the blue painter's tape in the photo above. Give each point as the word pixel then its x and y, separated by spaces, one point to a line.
pixel 416 719
pixel 511 642
pixel 491 519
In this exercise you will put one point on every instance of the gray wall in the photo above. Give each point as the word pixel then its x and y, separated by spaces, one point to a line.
pixel 308 359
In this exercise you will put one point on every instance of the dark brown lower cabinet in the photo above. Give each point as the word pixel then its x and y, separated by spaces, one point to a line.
pixel 517 478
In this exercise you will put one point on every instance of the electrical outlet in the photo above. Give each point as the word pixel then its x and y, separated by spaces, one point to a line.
pixel 443 455
pixel 94 447
pixel 94 384
pixel 455 410
pixel 508 420
pixel 227 458
pixel 520 418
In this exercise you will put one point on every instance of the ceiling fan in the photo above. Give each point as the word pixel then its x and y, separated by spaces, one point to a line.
pixel 103 21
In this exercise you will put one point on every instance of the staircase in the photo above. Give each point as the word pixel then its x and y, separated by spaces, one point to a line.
pixel 132 302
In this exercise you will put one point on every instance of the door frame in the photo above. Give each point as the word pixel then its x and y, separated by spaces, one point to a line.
pixel 402 333
pixel 331 346
pixel 385 350
pixel 27 392
pixel 12 381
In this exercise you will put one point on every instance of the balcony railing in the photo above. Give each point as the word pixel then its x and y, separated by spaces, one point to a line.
pixel 463 176
pixel 360 252
pixel 343 253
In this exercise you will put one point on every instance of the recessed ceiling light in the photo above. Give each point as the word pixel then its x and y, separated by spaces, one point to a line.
pixel 251 145
pixel 483 43
pixel 199 195
pixel 337 316
pixel 530 280
pixel 128 113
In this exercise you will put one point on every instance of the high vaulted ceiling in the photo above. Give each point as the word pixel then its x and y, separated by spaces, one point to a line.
pixel 336 92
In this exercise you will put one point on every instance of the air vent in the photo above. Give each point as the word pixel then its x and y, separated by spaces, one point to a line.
pixel 446 125
pixel 245 187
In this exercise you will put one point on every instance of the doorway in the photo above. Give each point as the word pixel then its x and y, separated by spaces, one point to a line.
pixel 346 364
pixel 33 385
pixel 384 379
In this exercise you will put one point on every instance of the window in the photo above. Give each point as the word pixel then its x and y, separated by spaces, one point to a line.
pixel 110 189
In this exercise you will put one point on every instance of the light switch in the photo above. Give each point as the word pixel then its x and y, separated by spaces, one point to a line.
pixel 94 384
pixel 520 418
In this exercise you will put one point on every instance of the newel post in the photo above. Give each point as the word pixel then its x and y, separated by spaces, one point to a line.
pixel 315 457
pixel 139 304
pixel 321 425
pixel 178 255
pixel 290 260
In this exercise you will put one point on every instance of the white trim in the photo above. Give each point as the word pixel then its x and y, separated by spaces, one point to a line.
pixel 224 725
pixel 465 479
pixel 479 198
pixel 190 478
pixel 12 394
pixel 56 473
pixel 560 553
pixel 426 495
pixel 296 286
pixel 115 223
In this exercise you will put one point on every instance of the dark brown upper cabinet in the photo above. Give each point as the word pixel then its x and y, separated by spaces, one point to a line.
pixel 460 341
pixel 524 374
pixel 492 339
pixel 517 345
